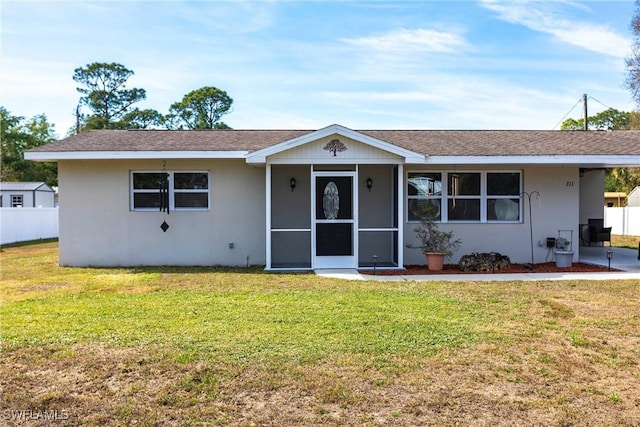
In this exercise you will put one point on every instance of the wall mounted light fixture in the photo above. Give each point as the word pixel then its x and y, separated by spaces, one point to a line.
pixel 292 183
pixel 369 183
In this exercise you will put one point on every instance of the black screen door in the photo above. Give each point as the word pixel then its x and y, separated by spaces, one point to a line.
pixel 334 221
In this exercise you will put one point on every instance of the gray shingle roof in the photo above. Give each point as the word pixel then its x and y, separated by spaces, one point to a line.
pixel 513 142
pixel 428 142
pixel 172 140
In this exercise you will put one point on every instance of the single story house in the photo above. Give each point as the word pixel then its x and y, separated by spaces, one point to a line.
pixel 328 198
pixel 26 195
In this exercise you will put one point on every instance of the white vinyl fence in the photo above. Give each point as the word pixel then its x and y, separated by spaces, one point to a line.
pixel 624 221
pixel 22 224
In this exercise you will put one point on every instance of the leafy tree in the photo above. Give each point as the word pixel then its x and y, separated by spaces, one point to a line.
pixel 622 179
pixel 610 119
pixel 633 61
pixel 200 109
pixel 634 121
pixel 221 125
pixel 17 136
pixel 141 119
pixel 105 95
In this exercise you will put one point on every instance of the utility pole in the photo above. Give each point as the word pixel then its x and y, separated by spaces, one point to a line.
pixel 586 114
pixel 78 119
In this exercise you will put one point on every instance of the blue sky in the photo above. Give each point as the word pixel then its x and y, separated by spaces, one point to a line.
pixel 486 64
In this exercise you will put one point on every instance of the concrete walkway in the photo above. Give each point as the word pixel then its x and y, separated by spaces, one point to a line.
pixel 625 260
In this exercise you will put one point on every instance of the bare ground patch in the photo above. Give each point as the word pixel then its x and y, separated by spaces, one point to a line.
pixel 549 382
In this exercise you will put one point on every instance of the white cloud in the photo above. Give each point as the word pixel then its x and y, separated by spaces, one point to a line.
pixel 459 102
pixel 237 17
pixel 408 41
pixel 546 17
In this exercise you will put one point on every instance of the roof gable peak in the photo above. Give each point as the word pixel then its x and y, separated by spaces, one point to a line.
pixel 260 156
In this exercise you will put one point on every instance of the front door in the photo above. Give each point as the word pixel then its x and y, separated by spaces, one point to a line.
pixel 334 225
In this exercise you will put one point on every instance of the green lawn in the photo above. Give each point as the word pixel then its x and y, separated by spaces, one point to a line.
pixel 231 313
pixel 625 241
pixel 202 346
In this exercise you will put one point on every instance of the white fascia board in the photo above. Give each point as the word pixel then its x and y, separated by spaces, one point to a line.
pixel 360 161
pixel 252 160
pixel 562 160
pixel 43 187
pixel 260 156
pixel 51 156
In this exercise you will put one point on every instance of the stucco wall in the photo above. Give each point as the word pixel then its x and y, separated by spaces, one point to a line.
pixel 556 209
pixel 98 228
pixel 591 195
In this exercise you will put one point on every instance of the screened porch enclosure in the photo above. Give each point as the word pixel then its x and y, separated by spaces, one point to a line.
pixel 338 216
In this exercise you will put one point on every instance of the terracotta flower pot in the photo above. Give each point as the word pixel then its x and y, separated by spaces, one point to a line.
pixel 435 260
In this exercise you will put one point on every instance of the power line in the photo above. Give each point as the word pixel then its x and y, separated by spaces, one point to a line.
pixel 578 102
pixel 568 112
pixel 601 103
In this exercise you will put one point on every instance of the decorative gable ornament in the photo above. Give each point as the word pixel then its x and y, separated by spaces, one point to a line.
pixel 334 146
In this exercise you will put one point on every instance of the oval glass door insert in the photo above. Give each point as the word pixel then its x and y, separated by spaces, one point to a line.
pixel 331 201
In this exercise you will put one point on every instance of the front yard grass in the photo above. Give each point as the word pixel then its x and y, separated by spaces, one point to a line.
pixel 620 241
pixel 205 346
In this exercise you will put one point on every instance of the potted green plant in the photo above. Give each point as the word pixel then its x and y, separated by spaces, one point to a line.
pixel 436 245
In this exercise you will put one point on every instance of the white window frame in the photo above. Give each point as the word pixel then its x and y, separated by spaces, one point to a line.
pixel 479 197
pixel 432 197
pixel 485 201
pixel 14 198
pixel 172 191
pixel 484 197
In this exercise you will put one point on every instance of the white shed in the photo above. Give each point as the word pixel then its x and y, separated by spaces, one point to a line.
pixel 26 195
pixel 633 199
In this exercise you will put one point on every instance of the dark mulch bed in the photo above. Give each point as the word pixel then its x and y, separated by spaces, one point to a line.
pixel 547 267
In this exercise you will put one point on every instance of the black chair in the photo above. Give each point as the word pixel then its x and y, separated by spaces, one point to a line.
pixel 598 232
